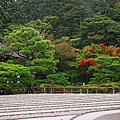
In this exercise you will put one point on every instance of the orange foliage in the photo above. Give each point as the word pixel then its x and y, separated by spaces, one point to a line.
pixel 118 52
pixel 97 50
pixel 91 50
pixel 85 62
pixel 105 48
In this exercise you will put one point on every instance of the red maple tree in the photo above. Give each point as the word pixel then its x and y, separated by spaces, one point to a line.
pixel 87 62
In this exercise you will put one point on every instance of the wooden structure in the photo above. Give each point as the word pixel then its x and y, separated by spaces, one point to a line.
pixel 77 89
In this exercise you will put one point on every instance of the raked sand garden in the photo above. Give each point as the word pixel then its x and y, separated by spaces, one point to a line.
pixel 66 106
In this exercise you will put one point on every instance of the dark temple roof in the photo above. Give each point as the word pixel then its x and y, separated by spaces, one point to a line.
pixel 14 54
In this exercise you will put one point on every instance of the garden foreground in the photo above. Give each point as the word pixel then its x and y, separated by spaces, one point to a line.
pixel 66 106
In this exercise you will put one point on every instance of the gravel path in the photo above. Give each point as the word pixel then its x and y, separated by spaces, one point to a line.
pixel 115 116
pixel 54 106
pixel 103 115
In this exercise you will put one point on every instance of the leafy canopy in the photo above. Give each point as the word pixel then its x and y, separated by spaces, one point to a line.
pixel 12 75
pixel 34 51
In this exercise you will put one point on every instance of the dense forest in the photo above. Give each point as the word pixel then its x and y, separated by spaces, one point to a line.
pixel 62 42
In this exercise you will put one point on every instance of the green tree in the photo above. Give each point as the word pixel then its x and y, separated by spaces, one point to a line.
pixel 43 28
pixel 34 51
pixel 73 14
pixel 15 14
pixel 99 29
pixel 102 6
pixel 12 75
pixel 10 13
pixel 107 71
pixel 3 18
pixel 66 54
pixel 70 12
pixel 53 21
pixel 116 12
pixel 58 79
pixel 89 54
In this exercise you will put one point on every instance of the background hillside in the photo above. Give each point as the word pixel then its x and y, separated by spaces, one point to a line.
pixel 65 42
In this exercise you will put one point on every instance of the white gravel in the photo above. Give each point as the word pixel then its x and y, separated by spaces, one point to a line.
pixel 55 106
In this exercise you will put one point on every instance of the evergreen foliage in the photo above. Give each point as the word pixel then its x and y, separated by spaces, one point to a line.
pixel 12 75
pixel 66 41
pixel 107 70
